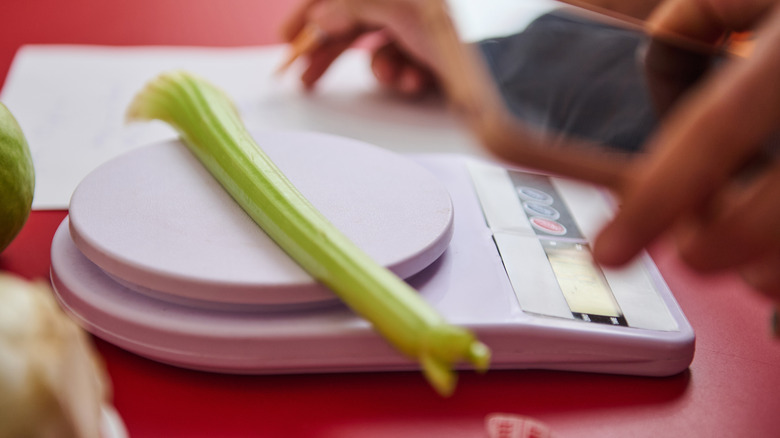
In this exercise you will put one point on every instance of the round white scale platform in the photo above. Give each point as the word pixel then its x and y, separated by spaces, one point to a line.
pixel 154 247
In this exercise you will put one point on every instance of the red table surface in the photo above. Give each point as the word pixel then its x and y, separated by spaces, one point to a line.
pixel 732 389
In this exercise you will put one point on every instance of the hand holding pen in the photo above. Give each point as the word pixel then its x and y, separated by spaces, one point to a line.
pixel 402 58
pixel 423 51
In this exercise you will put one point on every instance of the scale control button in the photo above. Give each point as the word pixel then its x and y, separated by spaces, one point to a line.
pixel 534 195
pixel 545 211
pixel 548 226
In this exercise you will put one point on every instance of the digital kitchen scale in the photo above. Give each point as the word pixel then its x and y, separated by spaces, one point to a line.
pixel 156 258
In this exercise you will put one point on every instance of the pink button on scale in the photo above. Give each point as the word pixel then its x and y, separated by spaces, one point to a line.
pixel 548 226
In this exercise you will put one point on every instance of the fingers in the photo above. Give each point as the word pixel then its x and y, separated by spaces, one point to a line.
pixel 335 18
pixel 336 29
pixel 704 141
pixel 386 63
pixel 395 70
pixel 706 20
pixel 764 275
pixel 413 81
pixel 743 228
pixel 404 66
pixel 322 57
pixel 296 21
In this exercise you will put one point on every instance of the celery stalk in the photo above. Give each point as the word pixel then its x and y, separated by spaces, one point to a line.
pixel 212 129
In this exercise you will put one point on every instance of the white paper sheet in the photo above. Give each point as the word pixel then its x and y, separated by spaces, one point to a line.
pixel 71 100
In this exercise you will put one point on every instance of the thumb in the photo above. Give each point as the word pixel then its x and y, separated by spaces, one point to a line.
pixel 706 20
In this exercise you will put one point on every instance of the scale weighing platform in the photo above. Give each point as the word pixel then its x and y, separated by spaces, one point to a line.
pixel 157 259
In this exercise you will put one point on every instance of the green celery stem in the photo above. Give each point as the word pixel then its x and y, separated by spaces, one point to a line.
pixel 212 129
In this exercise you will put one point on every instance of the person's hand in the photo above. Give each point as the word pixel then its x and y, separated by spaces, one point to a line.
pixel 687 185
pixel 404 61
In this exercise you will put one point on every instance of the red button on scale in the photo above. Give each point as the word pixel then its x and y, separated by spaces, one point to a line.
pixel 548 226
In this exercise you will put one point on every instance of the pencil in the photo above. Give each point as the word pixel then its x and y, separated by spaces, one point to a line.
pixel 305 42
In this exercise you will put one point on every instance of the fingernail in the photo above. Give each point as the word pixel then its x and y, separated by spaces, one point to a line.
pixel 409 82
pixel 380 72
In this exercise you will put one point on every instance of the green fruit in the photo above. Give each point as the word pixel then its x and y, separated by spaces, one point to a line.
pixel 17 178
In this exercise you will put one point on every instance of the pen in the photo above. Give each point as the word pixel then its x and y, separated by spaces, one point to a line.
pixel 736 44
pixel 305 42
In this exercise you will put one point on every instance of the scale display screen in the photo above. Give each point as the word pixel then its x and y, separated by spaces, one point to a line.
pixel 582 283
